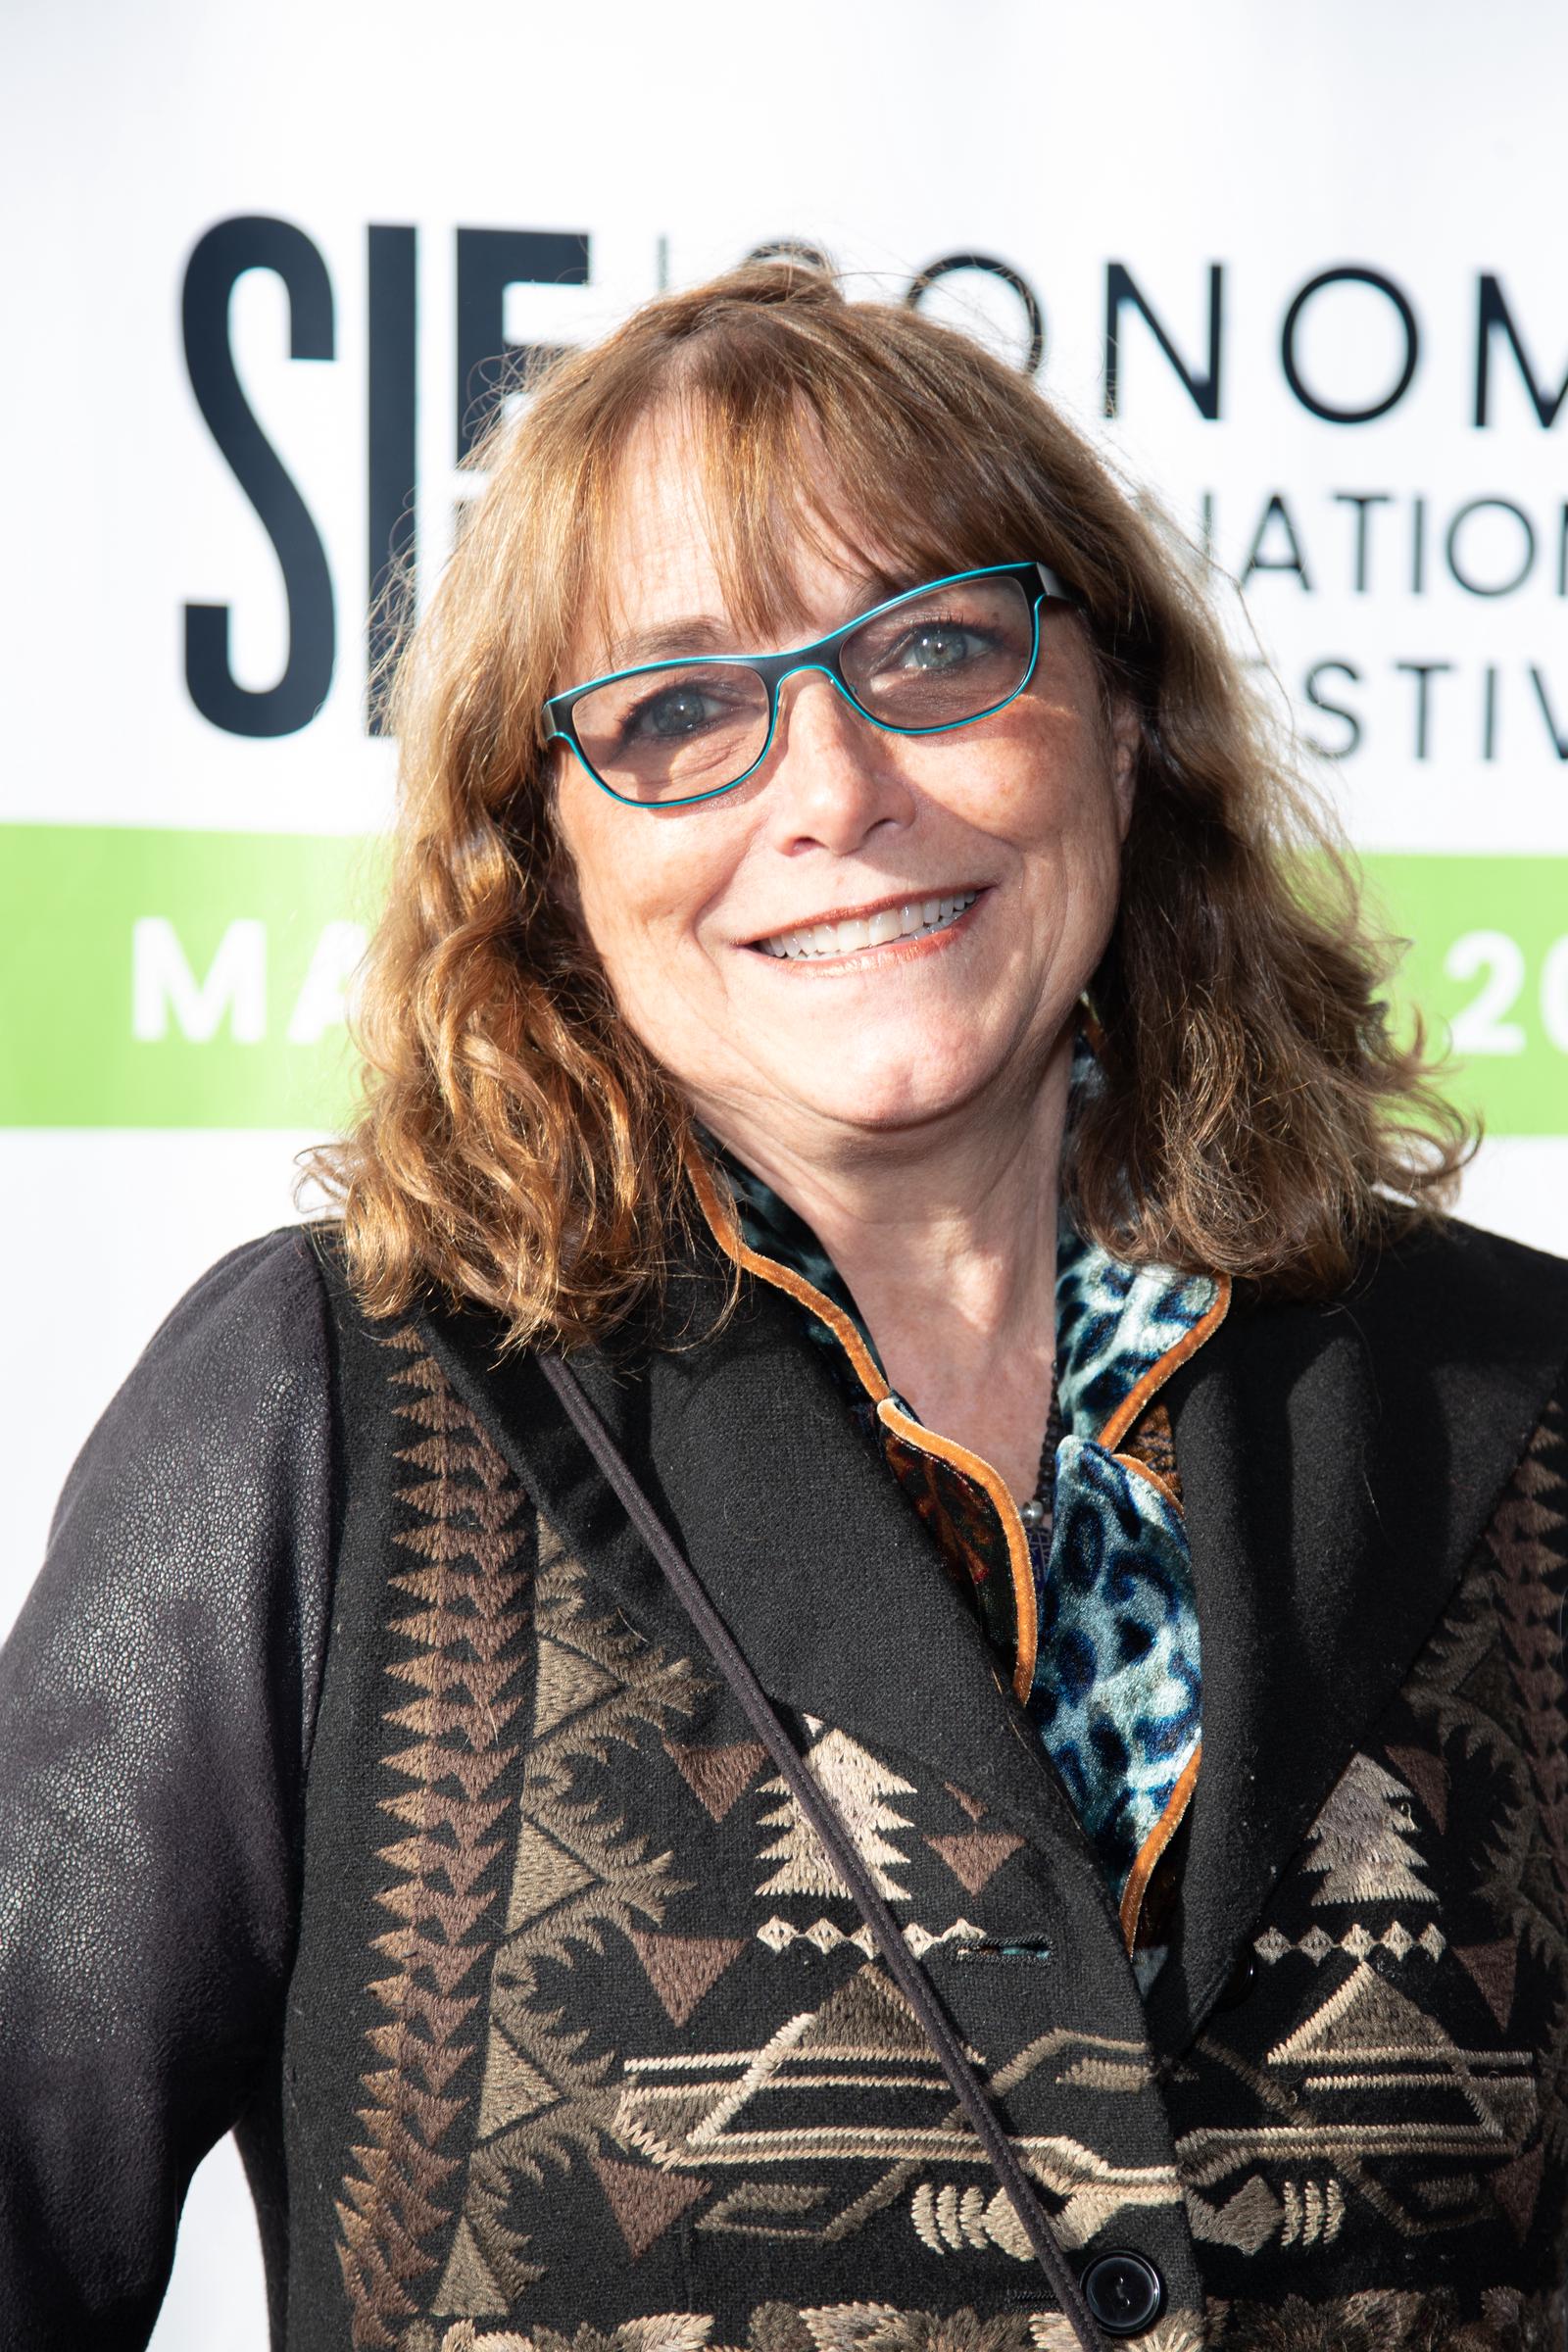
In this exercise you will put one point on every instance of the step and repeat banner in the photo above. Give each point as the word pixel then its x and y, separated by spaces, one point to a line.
pixel 1303 282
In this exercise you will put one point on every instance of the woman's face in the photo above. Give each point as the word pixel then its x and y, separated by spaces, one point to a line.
pixel 1018 818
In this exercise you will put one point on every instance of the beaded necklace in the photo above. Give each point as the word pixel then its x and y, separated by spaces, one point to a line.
pixel 1040 1510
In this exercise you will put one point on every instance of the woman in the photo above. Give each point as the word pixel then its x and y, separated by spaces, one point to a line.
pixel 933 1095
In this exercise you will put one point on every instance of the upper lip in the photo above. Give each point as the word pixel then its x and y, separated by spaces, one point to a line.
pixel 912 896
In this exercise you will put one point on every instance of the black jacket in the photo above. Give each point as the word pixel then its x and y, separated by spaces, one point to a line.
pixel 362 1788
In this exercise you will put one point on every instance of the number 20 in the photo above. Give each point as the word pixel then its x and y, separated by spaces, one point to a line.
pixel 1482 1026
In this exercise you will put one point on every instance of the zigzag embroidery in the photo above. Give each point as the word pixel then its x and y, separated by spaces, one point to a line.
pixel 844 2328
pixel 1508 1615
pixel 580 1876
pixel 455 1690
pixel 778 1935
pixel 1357 1940
pixel 1513 1601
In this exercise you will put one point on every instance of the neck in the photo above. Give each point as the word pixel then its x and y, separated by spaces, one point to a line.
pixel 947 1237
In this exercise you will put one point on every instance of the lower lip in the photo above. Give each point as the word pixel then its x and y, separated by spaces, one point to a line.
pixel 894 950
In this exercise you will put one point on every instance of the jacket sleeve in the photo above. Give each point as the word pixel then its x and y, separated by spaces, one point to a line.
pixel 156 1704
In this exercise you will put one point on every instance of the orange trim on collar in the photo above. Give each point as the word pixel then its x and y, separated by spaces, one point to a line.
pixel 994 1488
pixel 914 1433
pixel 1151 1477
pixel 1154 1379
pixel 726 1233
pixel 1154 1845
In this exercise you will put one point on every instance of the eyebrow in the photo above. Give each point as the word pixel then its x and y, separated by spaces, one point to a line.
pixel 709 633
pixel 699 633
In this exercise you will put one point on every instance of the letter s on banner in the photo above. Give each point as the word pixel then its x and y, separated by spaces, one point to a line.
pixel 219 259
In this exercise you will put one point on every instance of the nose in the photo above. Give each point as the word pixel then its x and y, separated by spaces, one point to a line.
pixel 833 778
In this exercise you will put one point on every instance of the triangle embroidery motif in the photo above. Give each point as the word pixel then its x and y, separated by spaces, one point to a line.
pixel 974 1856
pixel 467 2286
pixel 681 1969
pixel 644 2202
pixel 717 1777
pixel 568 1682
pixel 513 2088
pixel 1492 1967
pixel 1366 2020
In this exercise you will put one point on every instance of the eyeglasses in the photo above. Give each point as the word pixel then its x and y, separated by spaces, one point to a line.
pixel 668 733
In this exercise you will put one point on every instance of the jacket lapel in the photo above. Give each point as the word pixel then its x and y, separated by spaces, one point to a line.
pixel 818 1563
pixel 1338 1464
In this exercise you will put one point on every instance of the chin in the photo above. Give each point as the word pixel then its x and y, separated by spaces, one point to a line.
pixel 884 1102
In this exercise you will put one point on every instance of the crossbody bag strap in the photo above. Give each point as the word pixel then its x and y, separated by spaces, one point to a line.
pixel 901 1963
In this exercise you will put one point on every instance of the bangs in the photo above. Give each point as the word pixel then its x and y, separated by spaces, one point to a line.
pixel 801 445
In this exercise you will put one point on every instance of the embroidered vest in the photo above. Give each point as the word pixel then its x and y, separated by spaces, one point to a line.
pixel 586 2046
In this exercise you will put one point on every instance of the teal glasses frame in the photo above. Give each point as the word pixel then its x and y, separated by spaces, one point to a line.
pixel 1039 582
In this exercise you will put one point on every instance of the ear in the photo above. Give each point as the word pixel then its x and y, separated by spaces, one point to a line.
pixel 1126 736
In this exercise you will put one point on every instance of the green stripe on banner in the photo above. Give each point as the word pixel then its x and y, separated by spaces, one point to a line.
pixel 1488 964
pixel 182 979
pixel 169 979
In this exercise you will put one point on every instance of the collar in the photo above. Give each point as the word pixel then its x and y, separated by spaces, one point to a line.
pixel 1121 1330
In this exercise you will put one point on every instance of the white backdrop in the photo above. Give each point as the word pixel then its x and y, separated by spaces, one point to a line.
pixel 1405 570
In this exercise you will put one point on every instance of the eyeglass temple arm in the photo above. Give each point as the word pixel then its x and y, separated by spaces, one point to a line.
pixel 1055 586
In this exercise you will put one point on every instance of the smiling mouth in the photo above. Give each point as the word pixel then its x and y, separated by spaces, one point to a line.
pixel 853 934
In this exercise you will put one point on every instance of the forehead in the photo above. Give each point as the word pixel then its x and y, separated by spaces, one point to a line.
pixel 682 556
pixel 661 547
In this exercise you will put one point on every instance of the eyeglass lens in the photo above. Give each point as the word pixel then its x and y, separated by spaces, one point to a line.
pixel 935 659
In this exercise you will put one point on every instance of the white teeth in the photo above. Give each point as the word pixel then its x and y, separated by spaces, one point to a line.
pixel 860 931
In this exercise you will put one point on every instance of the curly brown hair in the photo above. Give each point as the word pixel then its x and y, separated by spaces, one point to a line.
pixel 519 1147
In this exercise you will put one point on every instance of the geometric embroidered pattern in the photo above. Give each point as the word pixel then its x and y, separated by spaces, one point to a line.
pixel 1362 1842
pixel 859 1791
pixel 1383 2320
pixel 579 1877
pixel 826 1935
pixel 462 1624
pixel 1316 1945
pixel 1395 2074
pixel 632 2050
pixel 717 1777
pixel 832 2327
pixel 863 2044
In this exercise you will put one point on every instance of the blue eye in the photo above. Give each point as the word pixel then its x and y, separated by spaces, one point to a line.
pixel 942 645
pixel 676 712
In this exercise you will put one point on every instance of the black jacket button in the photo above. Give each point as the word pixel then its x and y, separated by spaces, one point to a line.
pixel 1238 1984
pixel 1123 2292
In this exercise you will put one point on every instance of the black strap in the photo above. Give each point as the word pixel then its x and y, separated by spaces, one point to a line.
pixel 818 1809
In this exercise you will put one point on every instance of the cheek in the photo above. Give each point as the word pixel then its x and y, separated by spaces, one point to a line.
pixel 640 890
pixel 602 884
pixel 1051 799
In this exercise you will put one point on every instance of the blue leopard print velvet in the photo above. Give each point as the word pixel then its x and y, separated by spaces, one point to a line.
pixel 1117 1690
pixel 1117 1685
